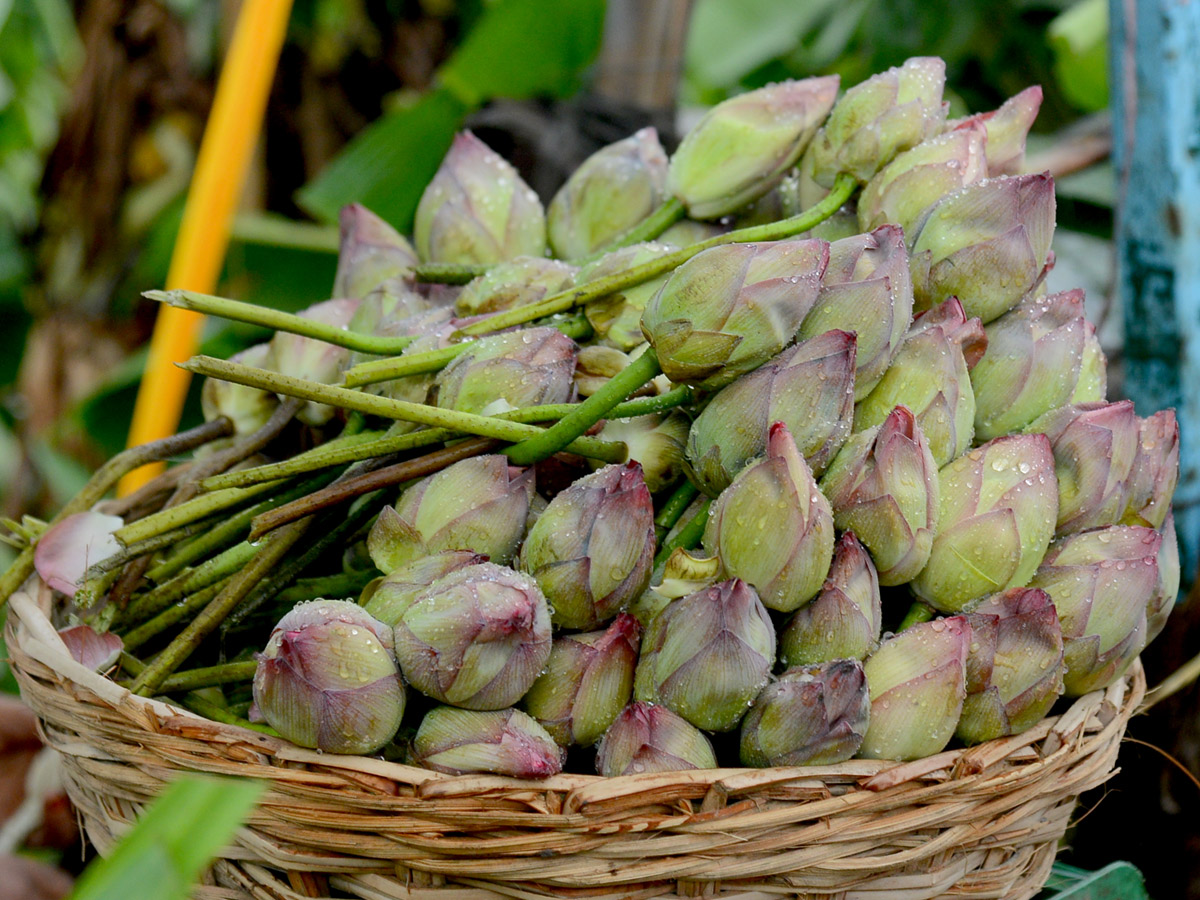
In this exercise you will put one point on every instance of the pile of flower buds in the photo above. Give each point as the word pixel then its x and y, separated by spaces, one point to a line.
pixel 845 481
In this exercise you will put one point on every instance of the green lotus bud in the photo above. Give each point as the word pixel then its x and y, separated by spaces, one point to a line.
pixel 656 442
pixel 612 190
pixel 918 682
pixel 395 302
pixel 1014 667
pixel 246 407
pixel 371 251
pixel 811 716
pixel 682 574
pixel 729 309
pixel 529 367
pixel 686 232
pixel 617 318
pixel 843 621
pixel 1155 470
pixel 311 359
pixel 808 387
pixel 867 291
pixel 477 209
pixel 1166 592
pixel 772 528
pixel 587 682
pixel 647 738
pixel 707 655
pixel 987 244
pixel 396 591
pixel 328 679
pixel 477 638
pixel 500 742
pixel 884 485
pixel 477 504
pixel 592 549
pixel 1101 582
pixel 519 282
pixel 743 146
pixel 1007 128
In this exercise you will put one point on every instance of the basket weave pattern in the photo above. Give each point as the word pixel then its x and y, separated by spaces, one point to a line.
pixel 977 823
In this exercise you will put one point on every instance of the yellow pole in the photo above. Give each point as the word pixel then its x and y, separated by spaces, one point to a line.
pixel 221 165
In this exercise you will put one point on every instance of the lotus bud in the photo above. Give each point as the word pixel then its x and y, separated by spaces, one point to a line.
pixel 918 682
pixel 477 638
pixel 97 650
pixel 811 716
pixel 500 742
pixel 477 504
pixel 808 387
pixel 987 244
pixel 246 407
pixel 1101 583
pixel 390 309
pixel 743 146
pixel 686 232
pixel 587 682
pixel 930 376
pixel 67 549
pixel 477 209
pixel 371 252
pixel 656 442
pixel 1155 470
pixel 592 549
pixel 729 309
pixel 843 621
pixel 1007 128
pixel 682 574
pixel 395 592
pixel 596 365
pixel 772 528
pixel 617 318
pixel 1094 447
pixel 867 291
pixel 530 367
pixel 612 191
pixel 431 330
pixel 311 359
pixel 995 521
pixel 706 656
pixel 519 282
pixel 1166 592
pixel 328 679
pixel 648 738
pixel 1014 667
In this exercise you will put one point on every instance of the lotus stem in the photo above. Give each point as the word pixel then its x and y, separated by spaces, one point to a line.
pixel 667 214
pixel 919 612
pixel 674 508
pixel 210 676
pixel 687 537
pixel 172 615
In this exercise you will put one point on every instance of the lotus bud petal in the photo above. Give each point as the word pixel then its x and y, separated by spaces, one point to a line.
pixel 729 309
pixel 843 621
pixel 682 574
pixel 1155 470
pixel 1007 128
pixel 477 209
pixel 371 252
pixel 392 308
pixel 772 528
pixel 477 504
pixel 743 146
pixel 811 716
pixel 918 683
pixel 500 742
pixel 395 592
pixel 867 291
pixel 656 442
pixel 477 638
pixel 592 549
pixel 1166 592
pixel 1014 667
pixel 519 282
pixel 67 549
pixel 987 244
pixel 311 359
pixel 587 682
pixel 884 486
pixel 246 407
pixel 596 365
pixel 612 191
pixel 617 318
pixel 1101 582
pixel 706 656
pixel 950 316
pixel 530 367
pixel 995 521
pixel 648 738
pixel 328 679
pixel 98 650
pixel 808 387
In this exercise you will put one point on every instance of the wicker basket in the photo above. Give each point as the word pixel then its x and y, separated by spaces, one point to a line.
pixel 983 822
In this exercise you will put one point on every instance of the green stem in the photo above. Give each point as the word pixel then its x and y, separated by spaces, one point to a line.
pixel 209 676
pixel 843 188
pixel 172 615
pixel 280 231
pixel 687 537
pixel 185 513
pixel 670 212
pixel 224 716
pixel 919 612
pixel 97 579
pixel 213 570
pixel 675 506
pixel 448 273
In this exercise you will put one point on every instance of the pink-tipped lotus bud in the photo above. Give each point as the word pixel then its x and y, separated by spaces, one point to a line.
pixel 1155 470
pixel 648 738
pixel 477 504
pixel 808 387
pixel 996 518
pixel 477 638
pixel 530 367
pixel 592 548
pixel 328 679
pixel 500 742
pixel 612 190
pixel 311 359
pixel 477 209
pixel 1007 128
pixel 246 407
pixel 772 528
pixel 843 621
pixel 371 252
pixel 811 716
pixel 587 682
pixel 1166 592
pixel 1014 667
pixel 654 441
pixel 617 318
pixel 883 485
pixel 729 309
pixel 395 592
pixel 518 282
pixel 918 683
pixel 67 549
pixel 98 650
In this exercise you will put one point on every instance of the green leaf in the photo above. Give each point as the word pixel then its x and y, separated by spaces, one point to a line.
pixel 1079 38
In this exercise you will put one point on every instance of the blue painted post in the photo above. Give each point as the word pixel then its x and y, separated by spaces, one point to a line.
pixel 1155 79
